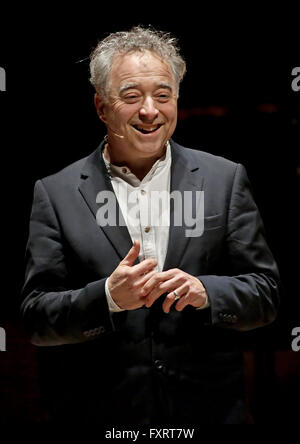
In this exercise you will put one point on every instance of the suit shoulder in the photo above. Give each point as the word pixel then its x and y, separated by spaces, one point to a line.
pixel 207 160
pixel 67 175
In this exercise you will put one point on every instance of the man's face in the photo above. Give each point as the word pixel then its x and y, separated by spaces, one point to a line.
pixel 142 104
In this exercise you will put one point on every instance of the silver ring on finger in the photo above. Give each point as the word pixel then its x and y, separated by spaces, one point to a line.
pixel 176 295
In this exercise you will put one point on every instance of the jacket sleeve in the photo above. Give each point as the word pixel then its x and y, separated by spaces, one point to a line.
pixel 248 296
pixel 53 313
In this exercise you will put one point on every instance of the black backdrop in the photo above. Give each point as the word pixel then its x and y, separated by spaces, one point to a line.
pixel 236 101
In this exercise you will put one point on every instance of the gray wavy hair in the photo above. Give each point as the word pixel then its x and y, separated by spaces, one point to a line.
pixel 138 39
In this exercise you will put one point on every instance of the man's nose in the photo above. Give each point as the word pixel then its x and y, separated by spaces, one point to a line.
pixel 148 110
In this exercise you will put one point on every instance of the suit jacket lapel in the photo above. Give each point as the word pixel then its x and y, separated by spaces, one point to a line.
pixel 95 178
pixel 185 176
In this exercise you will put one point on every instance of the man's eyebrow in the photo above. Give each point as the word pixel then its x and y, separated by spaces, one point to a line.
pixel 165 85
pixel 128 86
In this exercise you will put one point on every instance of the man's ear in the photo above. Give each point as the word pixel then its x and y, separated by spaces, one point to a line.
pixel 100 106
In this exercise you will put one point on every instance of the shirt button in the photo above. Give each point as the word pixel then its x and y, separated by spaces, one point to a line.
pixel 124 170
pixel 159 365
pixel 147 229
pixel 143 192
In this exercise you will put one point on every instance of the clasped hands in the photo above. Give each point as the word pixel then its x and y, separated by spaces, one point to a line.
pixel 134 286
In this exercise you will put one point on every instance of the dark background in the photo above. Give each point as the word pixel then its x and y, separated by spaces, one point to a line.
pixel 235 101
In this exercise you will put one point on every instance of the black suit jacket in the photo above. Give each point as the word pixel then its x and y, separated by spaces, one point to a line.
pixel 144 365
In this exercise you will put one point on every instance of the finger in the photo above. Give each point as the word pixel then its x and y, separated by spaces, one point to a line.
pixel 157 279
pixel 170 284
pixel 158 290
pixel 153 296
pixel 164 287
pixel 171 297
pixel 183 302
pixel 144 267
pixel 140 283
pixel 196 296
pixel 132 254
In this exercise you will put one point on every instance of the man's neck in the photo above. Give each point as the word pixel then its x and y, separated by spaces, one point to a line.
pixel 139 167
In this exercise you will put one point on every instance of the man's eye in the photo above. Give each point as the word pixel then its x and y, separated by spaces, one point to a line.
pixel 131 98
pixel 163 97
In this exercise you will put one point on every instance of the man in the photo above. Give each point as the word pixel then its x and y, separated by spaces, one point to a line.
pixel 140 320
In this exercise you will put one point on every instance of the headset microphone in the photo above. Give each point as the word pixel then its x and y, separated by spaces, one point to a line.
pixel 115 134
pixel 118 135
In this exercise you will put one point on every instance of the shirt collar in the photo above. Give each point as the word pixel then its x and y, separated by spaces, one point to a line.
pixel 125 173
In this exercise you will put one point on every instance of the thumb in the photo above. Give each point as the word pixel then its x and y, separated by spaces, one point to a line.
pixel 132 254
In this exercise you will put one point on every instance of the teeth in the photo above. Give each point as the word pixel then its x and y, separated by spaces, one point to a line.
pixel 147 129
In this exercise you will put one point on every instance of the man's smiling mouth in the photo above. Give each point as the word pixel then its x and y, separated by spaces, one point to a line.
pixel 147 130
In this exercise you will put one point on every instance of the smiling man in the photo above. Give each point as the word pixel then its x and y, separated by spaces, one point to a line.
pixel 142 107
pixel 139 322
